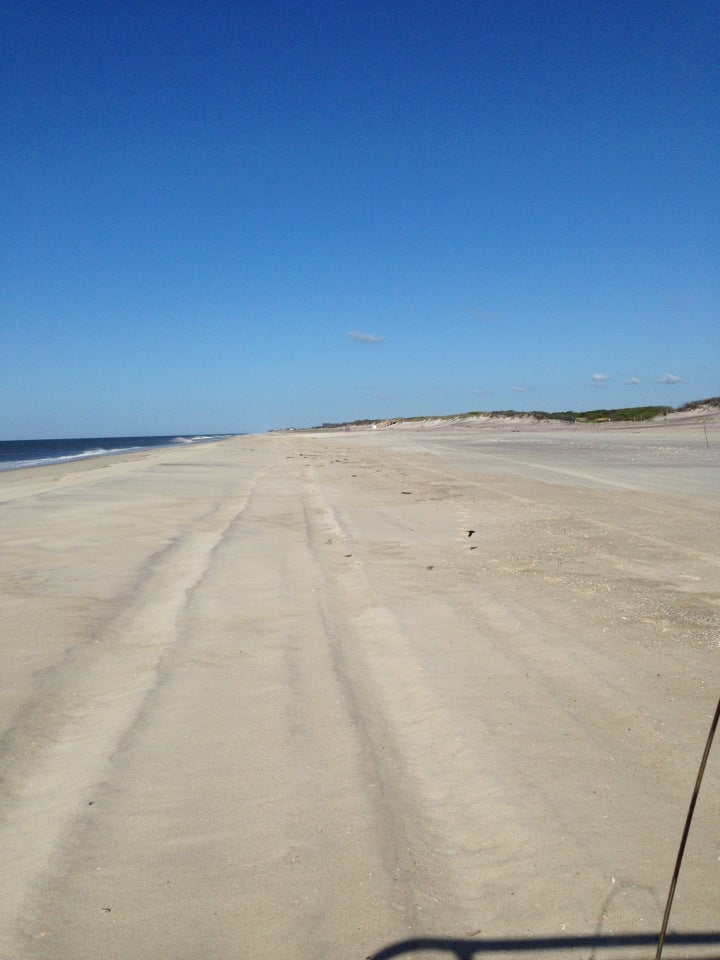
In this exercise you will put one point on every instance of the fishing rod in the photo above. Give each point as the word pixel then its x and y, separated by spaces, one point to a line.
pixel 686 831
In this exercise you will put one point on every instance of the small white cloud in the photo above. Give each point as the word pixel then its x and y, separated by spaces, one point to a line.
pixel 597 378
pixel 363 337
pixel 669 378
pixel 519 389
pixel 631 381
pixel 482 393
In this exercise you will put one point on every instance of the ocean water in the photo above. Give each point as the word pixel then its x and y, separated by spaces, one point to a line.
pixel 35 453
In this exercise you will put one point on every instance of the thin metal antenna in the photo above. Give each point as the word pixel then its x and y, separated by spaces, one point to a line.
pixel 686 831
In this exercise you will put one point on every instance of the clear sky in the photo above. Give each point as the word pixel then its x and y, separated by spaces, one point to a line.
pixel 227 217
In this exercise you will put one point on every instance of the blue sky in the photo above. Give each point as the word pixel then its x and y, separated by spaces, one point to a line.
pixel 225 217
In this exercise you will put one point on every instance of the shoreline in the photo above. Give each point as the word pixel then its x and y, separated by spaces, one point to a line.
pixel 61 471
pixel 60 460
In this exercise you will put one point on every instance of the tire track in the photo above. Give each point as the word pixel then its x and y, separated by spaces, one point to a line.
pixel 475 767
pixel 584 517
pixel 61 746
pixel 263 798
pixel 459 825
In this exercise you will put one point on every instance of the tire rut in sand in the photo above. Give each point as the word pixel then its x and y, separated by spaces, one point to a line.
pixel 88 702
pixel 243 777
pixel 494 769
pixel 563 512
pixel 430 778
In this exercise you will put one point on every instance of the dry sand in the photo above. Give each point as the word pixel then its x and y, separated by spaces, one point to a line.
pixel 269 698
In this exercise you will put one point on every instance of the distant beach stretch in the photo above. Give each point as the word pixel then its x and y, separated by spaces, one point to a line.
pixel 314 694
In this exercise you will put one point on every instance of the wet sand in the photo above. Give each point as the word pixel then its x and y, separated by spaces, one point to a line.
pixel 308 695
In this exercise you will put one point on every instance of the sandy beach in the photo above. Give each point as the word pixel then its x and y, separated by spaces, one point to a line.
pixel 309 695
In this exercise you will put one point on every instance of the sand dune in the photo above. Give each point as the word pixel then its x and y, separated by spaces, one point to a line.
pixel 309 695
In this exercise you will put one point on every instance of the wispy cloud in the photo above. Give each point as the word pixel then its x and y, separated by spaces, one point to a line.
pixel 631 381
pixel 599 378
pixel 363 337
pixel 519 389
pixel 669 378
pixel 482 393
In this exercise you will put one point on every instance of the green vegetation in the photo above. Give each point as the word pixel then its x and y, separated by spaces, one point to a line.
pixel 620 415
